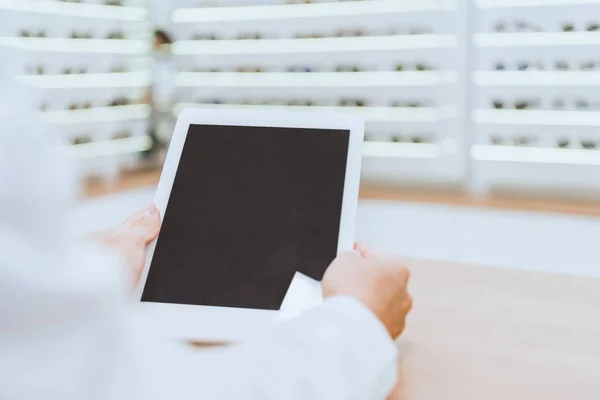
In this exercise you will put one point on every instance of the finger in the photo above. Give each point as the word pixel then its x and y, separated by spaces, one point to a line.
pixel 148 221
pixel 362 249
pixel 140 215
pixel 369 251
pixel 152 222
pixel 151 211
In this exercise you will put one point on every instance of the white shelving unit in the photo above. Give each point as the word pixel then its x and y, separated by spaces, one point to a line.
pixel 483 94
pixel 325 80
pixel 98 115
pixel 85 62
pixel 537 108
pixel 371 114
pixel 87 10
pixel 320 45
pixel 241 11
pixel 396 62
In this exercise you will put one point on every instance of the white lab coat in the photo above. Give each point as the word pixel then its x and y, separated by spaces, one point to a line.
pixel 66 331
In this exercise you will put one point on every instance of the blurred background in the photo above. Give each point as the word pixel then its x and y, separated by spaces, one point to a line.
pixel 466 101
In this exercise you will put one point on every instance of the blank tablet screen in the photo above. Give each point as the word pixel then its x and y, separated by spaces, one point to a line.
pixel 249 207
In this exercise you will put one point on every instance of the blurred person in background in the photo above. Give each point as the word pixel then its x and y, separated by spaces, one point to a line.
pixel 161 96
pixel 67 326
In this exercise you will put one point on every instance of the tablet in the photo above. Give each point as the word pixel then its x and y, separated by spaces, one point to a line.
pixel 255 205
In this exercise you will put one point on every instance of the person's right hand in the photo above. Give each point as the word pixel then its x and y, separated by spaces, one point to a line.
pixel 377 280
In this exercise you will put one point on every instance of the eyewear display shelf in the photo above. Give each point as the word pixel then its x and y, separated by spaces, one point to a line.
pixel 86 63
pixel 536 115
pixel 398 63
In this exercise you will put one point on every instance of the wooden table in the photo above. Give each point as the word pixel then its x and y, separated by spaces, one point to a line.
pixel 481 333
pixel 484 334
pixel 150 177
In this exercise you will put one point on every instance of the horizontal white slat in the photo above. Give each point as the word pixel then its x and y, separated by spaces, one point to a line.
pixel 142 143
pixel 401 150
pixel 373 114
pixel 88 81
pixel 317 45
pixel 536 78
pixel 537 39
pixel 536 117
pixel 64 45
pixel 314 79
pixel 532 3
pixel 98 115
pixel 109 147
pixel 536 155
pixel 77 10
pixel 296 11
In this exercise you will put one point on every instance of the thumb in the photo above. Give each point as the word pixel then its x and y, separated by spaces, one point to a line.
pixel 367 251
pixel 149 222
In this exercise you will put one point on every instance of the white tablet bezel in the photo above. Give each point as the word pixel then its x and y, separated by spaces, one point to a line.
pixel 209 323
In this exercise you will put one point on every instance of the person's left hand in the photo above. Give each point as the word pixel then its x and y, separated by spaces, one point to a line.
pixel 132 237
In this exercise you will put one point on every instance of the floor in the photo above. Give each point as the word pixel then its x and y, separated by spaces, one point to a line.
pixel 538 241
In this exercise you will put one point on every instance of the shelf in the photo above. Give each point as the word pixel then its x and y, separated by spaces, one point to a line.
pixel 536 78
pixel 313 79
pixel 303 11
pixel 98 115
pixel 88 81
pixel 532 3
pixel 76 10
pixel 104 46
pixel 143 143
pixel 536 117
pixel 320 45
pixel 537 39
pixel 401 150
pixel 109 147
pixel 372 114
pixel 535 155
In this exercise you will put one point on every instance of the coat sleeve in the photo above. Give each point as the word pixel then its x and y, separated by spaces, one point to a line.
pixel 67 333
pixel 339 351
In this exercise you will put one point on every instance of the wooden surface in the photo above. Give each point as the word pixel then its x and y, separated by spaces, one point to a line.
pixel 483 333
pixel 480 333
pixel 127 181
pixel 134 180
pixel 505 202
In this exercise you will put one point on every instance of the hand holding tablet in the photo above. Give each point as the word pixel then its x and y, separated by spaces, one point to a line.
pixel 377 280
pixel 254 204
